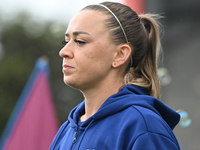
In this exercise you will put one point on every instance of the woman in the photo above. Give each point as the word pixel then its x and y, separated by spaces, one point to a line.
pixel 110 56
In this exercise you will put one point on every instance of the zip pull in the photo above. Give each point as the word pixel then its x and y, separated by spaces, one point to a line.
pixel 75 136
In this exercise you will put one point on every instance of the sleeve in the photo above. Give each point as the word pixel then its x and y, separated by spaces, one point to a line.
pixel 153 141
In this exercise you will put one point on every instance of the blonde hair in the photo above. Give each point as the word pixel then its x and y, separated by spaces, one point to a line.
pixel 145 73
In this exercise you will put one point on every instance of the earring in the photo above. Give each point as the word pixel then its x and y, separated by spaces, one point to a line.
pixel 114 64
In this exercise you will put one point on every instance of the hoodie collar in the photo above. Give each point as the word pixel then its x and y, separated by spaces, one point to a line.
pixel 127 96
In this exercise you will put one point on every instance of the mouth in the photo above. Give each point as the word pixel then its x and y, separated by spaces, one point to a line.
pixel 67 67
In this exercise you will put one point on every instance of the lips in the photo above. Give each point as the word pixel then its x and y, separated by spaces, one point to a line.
pixel 67 67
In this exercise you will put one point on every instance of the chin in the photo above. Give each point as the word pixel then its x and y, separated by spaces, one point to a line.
pixel 71 84
pixel 76 83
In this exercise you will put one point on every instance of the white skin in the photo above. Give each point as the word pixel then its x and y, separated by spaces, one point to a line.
pixel 92 63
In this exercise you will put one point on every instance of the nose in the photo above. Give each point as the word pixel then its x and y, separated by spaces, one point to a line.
pixel 66 52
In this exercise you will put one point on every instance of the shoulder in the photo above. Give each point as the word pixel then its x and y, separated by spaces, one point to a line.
pixel 152 119
pixel 138 124
pixel 152 122
pixel 149 126
pixel 143 120
pixel 155 141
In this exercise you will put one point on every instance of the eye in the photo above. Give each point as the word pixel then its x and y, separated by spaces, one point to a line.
pixel 79 42
pixel 64 42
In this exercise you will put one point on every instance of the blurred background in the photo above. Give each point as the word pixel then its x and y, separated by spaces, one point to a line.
pixel 31 29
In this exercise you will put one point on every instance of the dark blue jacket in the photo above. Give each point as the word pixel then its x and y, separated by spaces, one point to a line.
pixel 128 120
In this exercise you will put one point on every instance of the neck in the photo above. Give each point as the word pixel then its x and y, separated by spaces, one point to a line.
pixel 95 97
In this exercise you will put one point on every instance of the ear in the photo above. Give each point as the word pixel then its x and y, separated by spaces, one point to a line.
pixel 122 55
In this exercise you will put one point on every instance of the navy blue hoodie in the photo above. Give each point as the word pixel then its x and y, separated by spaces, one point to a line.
pixel 128 120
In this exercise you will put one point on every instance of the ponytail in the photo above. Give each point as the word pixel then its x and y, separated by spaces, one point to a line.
pixel 144 72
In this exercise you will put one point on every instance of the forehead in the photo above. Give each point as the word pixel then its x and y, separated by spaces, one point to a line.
pixel 89 21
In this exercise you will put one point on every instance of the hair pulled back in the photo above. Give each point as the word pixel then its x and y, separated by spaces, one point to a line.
pixel 143 36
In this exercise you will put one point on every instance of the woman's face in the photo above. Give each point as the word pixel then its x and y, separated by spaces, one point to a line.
pixel 88 53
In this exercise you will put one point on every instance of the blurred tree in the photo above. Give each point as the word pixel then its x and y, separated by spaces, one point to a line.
pixel 24 40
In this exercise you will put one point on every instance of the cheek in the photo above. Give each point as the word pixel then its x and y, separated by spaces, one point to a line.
pixel 94 57
pixel 93 63
pixel 99 58
pixel 102 52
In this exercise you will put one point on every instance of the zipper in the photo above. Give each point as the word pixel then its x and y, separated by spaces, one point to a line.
pixel 75 138
pixel 81 138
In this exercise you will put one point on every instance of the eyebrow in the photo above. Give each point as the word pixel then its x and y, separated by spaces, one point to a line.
pixel 77 33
